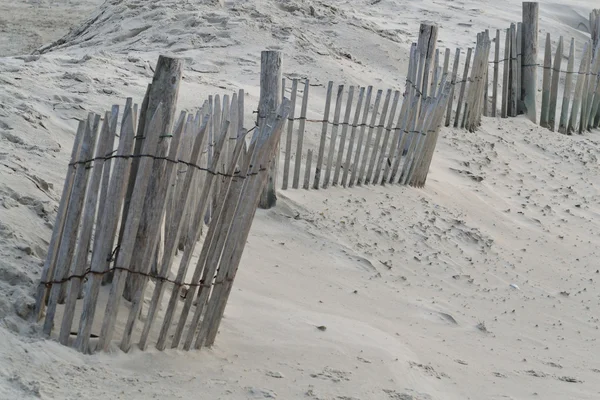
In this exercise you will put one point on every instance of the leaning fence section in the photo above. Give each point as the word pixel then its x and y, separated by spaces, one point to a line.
pixel 371 136
pixel 126 211
pixel 570 85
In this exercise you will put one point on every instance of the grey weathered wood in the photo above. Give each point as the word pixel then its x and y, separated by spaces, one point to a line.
pixel 234 129
pixel 519 69
pixel 345 127
pixel 444 69
pixel 595 28
pixel 72 219
pixel 290 131
pixel 333 140
pixel 301 128
pixel 588 89
pixel 361 137
pixel 123 263
pixel 454 75
pixel 384 145
pixel 59 223
pixel 217 124
pixel 309 156
pixel 107 163
pixel 186 201
pixel 547 76
pixel 431 128
pixel 564 115
pixel 407 110
pixel 487 81
pixel 435 74
pixel 234 245
pixel 514 75
pixel 592 77
pixel 595 96
pixel 427 130
pixel 212 247
pixel 435 125
pixel 164 177
pixel 463 87
pixel 397 134
pixel 270 78
pixel 373 121
pixel 554 87
pixel 79 261
pixel 185 150
pixel 530 49
pixel 137 149
pixel 380 128
pixel 476 93
pixel 506 76
pixel 583 66
pixel 319 165
pixel 426 44
pixel 102 249
pixel 355 121
pixel 193 238
pixel 496 70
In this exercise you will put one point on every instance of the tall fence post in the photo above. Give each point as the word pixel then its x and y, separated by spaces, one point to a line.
pixel 529 68
pixel 270 98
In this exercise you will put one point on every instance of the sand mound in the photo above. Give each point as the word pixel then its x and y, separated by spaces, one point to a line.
pixel 413 287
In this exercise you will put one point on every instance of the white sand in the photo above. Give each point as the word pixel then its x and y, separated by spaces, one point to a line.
pixel 400 277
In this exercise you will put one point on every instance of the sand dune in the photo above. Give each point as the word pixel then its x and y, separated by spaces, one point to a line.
pixel 483 285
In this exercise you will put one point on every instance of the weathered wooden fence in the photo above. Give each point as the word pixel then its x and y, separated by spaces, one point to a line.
pixel 570 100
pixel 374 137
pixel 174 169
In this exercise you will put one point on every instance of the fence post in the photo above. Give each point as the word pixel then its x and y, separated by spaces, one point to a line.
pixel 529 68
pixel 164 90
pixel 270 98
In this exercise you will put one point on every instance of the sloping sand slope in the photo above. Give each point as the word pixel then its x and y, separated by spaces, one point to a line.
pixel 413 286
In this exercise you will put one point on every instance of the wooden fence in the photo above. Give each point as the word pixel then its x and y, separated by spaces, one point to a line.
pixel 378 137
pixel 129 205
pixel 176 170
pixel 570 101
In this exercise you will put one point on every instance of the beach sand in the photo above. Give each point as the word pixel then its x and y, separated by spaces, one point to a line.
pixel 482 285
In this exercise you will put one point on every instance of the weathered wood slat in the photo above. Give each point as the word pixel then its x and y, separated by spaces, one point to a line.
pixel 59 223
pixel 102 249
pixel 193 237
pixel 345 127
pixel 290 131
pixel 546 83
pixel 72 219
pixel 270 98
pixel 187 201
pixel 554 88
pixel 583 67
pixel 348 162
pixel 333 140
pixel 496 70
pixel 319 165
pixel 564 114
pixel 380 127
pixel 301 128
pixel 157 208
pixel 79 262
pixel 463 88
pixel 365 156
pixel 361 137
pixel 529 68
pixel 454 75
pixel 388 131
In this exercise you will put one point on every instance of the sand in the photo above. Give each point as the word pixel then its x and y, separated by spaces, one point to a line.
pixel 483 285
